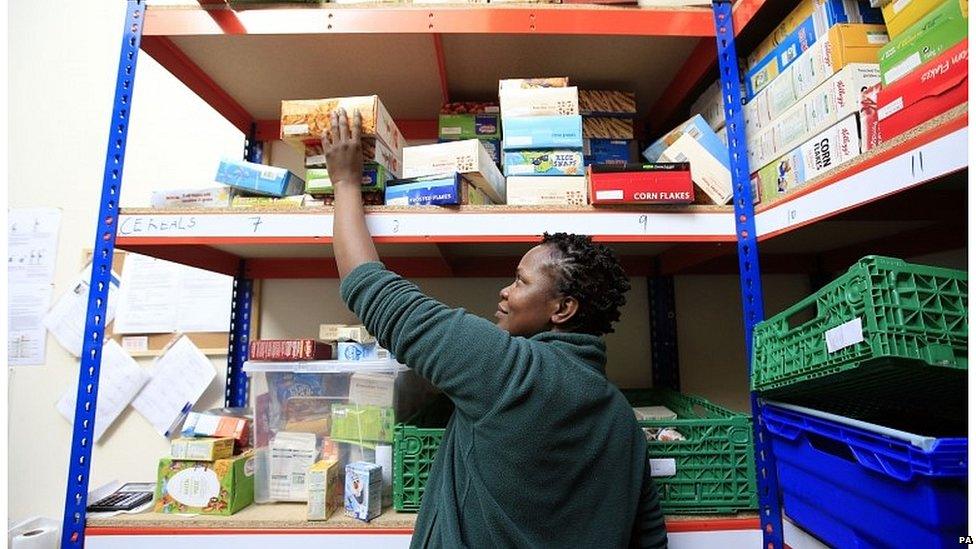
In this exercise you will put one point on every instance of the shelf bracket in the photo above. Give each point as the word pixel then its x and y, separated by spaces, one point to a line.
pixel 750 280
pixel 83 430
pixel 664 330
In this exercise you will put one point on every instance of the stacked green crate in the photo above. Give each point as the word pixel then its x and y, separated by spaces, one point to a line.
pixel 711 471
pixel 886 340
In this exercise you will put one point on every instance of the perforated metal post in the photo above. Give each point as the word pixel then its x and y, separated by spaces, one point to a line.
pixel 236 394
pixel 664 331
pixel 82 437
pixel 770 514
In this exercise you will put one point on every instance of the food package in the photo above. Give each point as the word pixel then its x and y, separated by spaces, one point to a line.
pixel 468 157
pixel 547 191
pixel 221 487
pixel 603 127
pixel 607 103
pixel 544 162
pixel 306 119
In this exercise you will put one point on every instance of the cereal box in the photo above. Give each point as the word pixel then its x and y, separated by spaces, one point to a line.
pixel 364 490
pixel 221 487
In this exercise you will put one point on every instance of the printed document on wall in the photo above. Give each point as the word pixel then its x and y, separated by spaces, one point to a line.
pixel 120 379
pixel 179 378
pixel 66 319
pixel 32 244
pixel 159 296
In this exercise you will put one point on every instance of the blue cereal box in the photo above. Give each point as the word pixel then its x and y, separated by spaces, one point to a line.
pixel 544 162
pixel 606 151
pixel 364 490
pixel 542 132
pixel 450 189
pixel 259 178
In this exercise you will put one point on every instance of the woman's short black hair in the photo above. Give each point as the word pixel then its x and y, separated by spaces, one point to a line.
pixel 590 273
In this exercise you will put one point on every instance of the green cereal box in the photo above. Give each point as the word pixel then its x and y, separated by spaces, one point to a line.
pixel 221 487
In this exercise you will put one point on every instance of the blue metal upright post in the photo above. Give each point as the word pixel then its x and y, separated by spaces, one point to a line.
pixel 236 389
pixel 82 437
pixel 664 331
pixel 750 280
pixel 240 326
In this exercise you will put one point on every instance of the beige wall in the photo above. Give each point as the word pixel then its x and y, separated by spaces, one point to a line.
pixel 62 74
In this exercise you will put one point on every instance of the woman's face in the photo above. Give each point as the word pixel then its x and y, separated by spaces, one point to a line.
pixel 528 303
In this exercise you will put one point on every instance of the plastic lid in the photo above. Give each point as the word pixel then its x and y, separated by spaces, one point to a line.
pixel 325 366
pixel 923 442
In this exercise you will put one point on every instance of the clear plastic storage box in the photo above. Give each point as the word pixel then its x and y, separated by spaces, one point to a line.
pixel 308 411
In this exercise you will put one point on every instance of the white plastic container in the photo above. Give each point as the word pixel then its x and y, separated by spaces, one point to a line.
pixel 350 408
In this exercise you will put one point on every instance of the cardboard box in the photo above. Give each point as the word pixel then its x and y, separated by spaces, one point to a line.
pixel 221 487
pixel 709 173
pixel 451 127
pixel 602 127
pixel 933 89
pixel 345 332
pixel 549 162
pixel 868 118
pixel 374 152
pixel 940 30
pixel 470 107
pixel 659 183
pixel 353 351
pixel 317 180
pixel 698 129
pixel 825 14
pixel 607 103
pixel 359 424
pixel 547 191
pixel 539 102
pixel 324 486
pixel 372 389
pixel 844 44
pixel 291 455
pixel 531 83
pixel 901 14
pixel 204 424
pixel 654 412
pixel 259 178
pixel 289 349
pixel 832 101
pixel 823 152
pixel 306 119
pixel 542 132
pixel 450 189
pixel 607 151
pixel 285 203
pixel 364 490
pixel 213 197
pixel 468 157
pixel 494 148
pixel 711 106
pixel 201 449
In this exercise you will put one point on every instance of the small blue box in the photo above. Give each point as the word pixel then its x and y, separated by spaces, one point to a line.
pixel 429 190
pixel 564 162
pixel 364 490
pixel 542 132
pixel 352 351
pixel 606 151
pixel 259 178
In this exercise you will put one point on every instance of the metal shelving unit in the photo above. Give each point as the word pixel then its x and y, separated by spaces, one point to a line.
pixel 204 43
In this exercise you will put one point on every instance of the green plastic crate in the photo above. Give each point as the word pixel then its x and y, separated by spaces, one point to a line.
pixel 715 470
pixel 909 354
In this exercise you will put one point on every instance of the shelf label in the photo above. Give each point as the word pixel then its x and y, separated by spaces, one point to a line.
pixel 845 335
pixel 663 467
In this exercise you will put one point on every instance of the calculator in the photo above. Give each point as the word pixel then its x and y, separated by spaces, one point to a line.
pixel 126 498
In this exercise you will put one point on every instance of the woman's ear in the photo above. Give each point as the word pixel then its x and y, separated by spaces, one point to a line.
pixel 565 311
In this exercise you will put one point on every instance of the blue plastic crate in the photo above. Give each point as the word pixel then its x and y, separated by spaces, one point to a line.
pixel 853 484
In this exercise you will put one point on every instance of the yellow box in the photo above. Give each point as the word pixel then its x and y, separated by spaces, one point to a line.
pixel 202 449
pixel 901 14
pixel 324 486
pixel 792 21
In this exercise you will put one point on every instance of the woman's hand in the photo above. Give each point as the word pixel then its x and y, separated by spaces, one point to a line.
pixel 344 150
pixel 351 241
